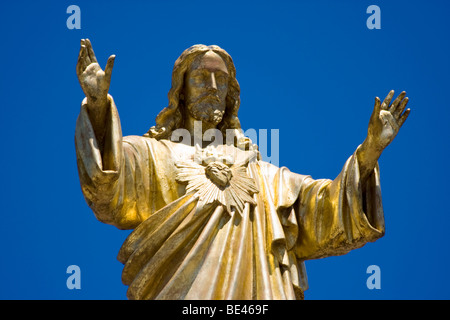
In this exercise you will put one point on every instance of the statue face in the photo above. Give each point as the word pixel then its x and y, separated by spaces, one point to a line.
pixel 206 87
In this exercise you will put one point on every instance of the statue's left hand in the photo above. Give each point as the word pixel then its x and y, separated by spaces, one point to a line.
pixel 384 124
pixel 386 120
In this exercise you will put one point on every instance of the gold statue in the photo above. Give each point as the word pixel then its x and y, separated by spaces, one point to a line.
pixel 215 221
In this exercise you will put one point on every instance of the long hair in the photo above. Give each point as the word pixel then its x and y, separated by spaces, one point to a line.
pixel 173 116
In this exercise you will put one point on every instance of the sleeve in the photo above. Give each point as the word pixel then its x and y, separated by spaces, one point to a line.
pixel 337 216
pixel 114 178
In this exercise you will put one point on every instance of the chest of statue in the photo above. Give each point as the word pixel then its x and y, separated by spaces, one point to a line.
pixel 217 173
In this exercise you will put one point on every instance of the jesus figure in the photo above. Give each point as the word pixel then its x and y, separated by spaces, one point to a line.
pixel 213 220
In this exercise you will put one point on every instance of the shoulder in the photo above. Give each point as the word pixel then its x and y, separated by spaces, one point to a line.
pixel 281 173
pixel 161 149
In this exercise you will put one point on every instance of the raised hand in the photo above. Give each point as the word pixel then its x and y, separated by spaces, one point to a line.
pixel 93 80
pixel 386 120
pixel 384 124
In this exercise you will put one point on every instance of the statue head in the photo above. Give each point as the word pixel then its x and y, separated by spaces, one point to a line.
pixel 204 87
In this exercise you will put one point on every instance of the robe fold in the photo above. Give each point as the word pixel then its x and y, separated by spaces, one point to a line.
pixel 187 243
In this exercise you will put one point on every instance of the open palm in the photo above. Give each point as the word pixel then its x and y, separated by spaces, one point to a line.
pixel 93 80
pixel 387 119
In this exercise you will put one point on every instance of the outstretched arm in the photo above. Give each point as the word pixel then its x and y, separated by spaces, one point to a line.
pixel 341 215
pixel 95 84
pixel 113 171
pixel 384 124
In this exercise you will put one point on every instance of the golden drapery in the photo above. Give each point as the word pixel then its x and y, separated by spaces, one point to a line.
pixel 184 248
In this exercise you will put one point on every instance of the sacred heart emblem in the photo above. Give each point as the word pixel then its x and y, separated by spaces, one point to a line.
pixel 218 173
pixel 213 177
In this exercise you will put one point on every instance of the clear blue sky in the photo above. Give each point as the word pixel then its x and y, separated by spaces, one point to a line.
pixel 308 68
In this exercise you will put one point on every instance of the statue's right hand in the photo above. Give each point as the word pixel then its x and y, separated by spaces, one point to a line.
pixel 93 80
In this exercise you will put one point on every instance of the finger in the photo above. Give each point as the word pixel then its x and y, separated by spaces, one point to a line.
pixel 80 64
pixel 90 51
pixel 86 58
pixel 404 117
pixel 387 100
pixel 83 60
pixel 397 101
pixel 376 110
pixel 377 107
pixel 109 67
pixel 399 110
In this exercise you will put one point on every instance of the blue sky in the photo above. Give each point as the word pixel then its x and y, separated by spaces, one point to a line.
pixel 308 68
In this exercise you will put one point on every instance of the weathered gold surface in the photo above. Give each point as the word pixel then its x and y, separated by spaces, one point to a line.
pixel 216 222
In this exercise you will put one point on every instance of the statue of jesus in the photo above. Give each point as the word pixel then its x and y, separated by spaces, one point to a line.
pixel 210 219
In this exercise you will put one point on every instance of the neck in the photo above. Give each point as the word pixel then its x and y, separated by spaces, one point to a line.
pixel 196 129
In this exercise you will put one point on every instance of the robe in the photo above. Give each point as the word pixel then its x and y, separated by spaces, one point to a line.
pixel 196 239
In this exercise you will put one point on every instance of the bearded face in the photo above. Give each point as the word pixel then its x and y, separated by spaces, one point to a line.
pixel 206 87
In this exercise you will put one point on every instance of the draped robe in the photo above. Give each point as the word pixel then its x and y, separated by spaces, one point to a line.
pixel 189 244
